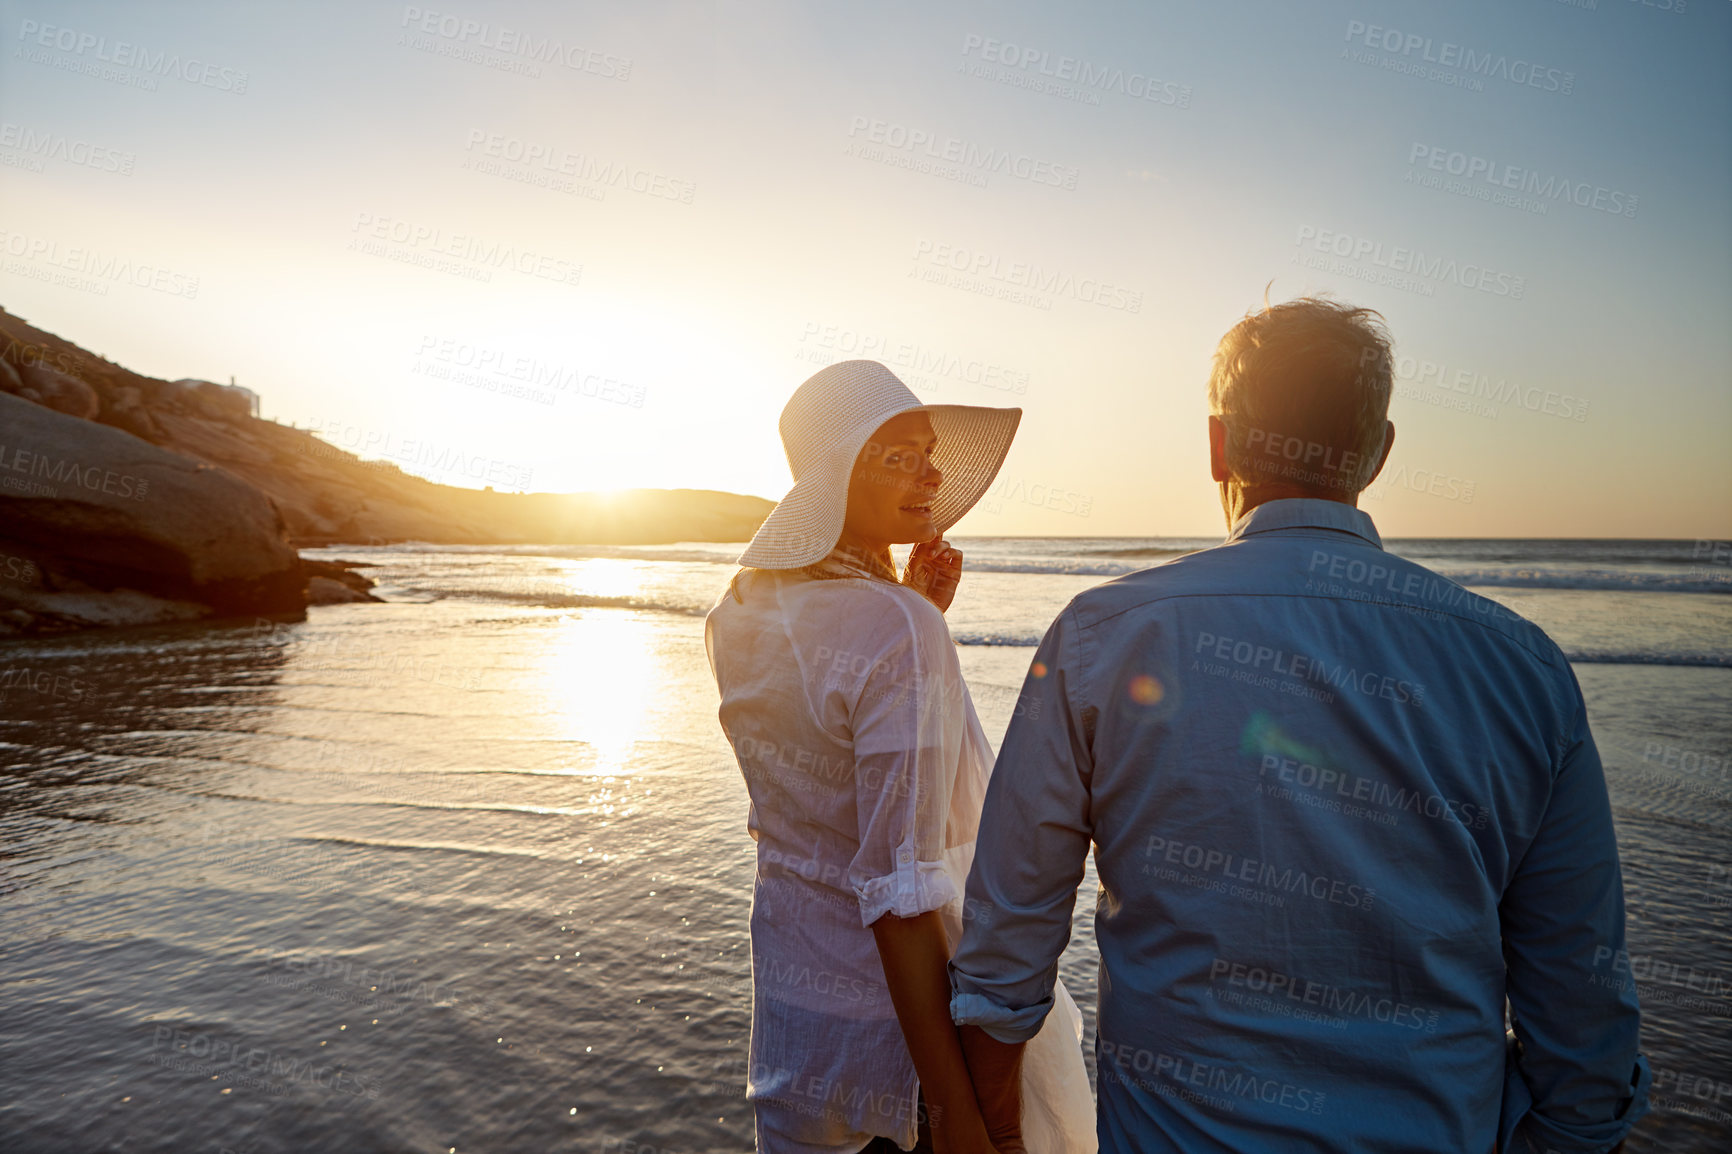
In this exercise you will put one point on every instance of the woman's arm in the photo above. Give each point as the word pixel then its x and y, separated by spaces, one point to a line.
pixel 915 953
pixel 995 1069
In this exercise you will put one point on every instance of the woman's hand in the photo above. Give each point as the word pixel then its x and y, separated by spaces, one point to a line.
pixel 995 1070
pixel 934 569
pixel 914 952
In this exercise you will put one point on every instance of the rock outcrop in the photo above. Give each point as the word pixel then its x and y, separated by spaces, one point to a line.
pixel 56 390
pixel 115 530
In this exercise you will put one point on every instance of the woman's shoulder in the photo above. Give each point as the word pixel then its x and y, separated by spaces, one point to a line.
pixel 886 600
pixel 875 614
pixel 858 606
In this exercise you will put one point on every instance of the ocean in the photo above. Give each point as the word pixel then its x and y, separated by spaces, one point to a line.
pixel 468 870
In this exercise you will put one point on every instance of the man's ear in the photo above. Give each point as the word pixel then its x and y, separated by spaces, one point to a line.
pixel 1388 444
pixel 1218 450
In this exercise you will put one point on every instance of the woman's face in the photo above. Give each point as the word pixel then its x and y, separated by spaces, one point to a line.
pixel 894 481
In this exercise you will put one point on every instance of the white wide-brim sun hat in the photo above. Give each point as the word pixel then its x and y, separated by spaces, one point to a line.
pixel 824 426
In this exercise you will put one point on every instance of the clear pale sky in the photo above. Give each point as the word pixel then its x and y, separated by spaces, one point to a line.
pixel 766 235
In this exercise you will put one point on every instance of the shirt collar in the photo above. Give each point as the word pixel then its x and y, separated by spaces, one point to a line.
pixel 1306 513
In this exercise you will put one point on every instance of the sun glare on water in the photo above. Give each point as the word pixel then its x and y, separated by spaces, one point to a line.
pixel 597 678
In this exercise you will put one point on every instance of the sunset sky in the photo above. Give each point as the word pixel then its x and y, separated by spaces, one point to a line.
pixel 390 220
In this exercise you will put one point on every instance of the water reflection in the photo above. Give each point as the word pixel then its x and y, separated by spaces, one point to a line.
pixel 597 678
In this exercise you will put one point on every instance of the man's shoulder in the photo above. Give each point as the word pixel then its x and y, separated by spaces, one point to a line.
pixel 1410 593
pixel 1207 572
pixel 1414 596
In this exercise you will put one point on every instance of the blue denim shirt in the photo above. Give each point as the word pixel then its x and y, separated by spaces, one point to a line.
pixel 1341 809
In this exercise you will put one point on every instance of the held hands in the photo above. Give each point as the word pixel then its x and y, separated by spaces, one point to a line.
pixel 934 569
pixel 995 1072
pixel 966 1134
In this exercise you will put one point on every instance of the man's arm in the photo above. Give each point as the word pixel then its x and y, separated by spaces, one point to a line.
pixel 1572 998
pixel 1034 839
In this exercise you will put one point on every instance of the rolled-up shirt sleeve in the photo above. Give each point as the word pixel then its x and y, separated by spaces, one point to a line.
pixel 1034 839
pixel 900 788
pixel 1576 1083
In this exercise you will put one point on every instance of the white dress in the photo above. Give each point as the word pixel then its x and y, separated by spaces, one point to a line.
pixel 867 766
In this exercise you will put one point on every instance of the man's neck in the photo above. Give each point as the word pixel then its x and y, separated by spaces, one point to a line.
pixel 1238 499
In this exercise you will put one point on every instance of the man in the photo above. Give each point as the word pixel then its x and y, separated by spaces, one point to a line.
pixel 1341 809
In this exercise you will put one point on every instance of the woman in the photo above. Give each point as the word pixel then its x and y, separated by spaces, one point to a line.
pixel 866 765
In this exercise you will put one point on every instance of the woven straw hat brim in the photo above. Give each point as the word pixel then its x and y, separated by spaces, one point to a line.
pixel 802 530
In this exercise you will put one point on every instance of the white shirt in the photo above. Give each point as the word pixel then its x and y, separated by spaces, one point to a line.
pixel 866 765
